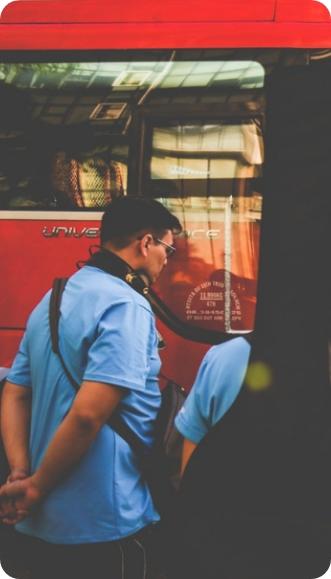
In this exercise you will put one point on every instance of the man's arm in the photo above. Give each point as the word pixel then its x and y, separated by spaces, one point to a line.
pixel 93 406
pixel 15 428
pixel 188 449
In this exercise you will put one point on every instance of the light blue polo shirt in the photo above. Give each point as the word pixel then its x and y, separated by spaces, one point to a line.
pixel 216 387
pixel 107 334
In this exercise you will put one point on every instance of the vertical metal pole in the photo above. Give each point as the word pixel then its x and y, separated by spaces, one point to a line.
pixel 227 263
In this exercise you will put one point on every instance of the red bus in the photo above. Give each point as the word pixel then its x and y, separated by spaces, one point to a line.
pixel 166 100
pixel 172 100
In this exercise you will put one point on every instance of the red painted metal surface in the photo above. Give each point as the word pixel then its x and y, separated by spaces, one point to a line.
pixel 149 24
pixel 166 35
pixel 301 11
pixel 30 261
pixel 143 11
pixel 180 358
pixel 88 11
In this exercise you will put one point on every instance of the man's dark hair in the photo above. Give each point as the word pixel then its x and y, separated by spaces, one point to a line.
pixel 128 216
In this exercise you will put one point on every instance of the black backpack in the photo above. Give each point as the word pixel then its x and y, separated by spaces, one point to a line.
pixel 160 465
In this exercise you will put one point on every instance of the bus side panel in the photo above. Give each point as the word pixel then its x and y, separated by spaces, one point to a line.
pixel 32 253
pixel 9 342
pixel 180 358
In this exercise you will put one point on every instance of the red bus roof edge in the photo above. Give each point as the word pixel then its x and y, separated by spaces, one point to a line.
pixel 89 11
pixel 84 11
pixel 166 35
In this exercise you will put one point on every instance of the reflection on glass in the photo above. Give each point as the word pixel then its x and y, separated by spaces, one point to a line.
pixel 209 175
pixel 65 127
pixel 211 281
pixel 133 74
pixel 91 182
pixel 208 160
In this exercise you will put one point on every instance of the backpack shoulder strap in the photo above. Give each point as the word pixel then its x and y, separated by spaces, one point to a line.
pixel 54 311
pixel 54 317
pixel 116 421
pixel 125 432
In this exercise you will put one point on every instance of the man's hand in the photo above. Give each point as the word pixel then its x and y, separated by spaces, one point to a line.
pixel 17 474
pixel 92 407
pixel 17 499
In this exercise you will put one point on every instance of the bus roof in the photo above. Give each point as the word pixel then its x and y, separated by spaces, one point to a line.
pixel 89 24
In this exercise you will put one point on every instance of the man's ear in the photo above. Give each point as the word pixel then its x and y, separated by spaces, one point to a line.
pixel 144 244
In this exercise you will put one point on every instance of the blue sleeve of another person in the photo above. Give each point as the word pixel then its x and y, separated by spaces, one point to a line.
pixel 216 387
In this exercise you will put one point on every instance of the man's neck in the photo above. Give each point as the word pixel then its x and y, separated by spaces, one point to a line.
pixel 115 264
pixel 126 254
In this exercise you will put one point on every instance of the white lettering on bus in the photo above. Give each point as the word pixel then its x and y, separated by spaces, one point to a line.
pixel 57 231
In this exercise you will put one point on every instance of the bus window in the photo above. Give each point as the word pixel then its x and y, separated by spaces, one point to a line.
pixel 209 175
pixel 61 138
pixel 188 131
pixel 206 167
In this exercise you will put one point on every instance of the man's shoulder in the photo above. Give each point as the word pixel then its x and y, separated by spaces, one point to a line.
pixel 229 350
pixel 102 286
pixel 224 361
pixel 223 370
pixel 38 312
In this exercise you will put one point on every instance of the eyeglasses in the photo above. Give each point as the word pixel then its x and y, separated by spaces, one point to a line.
pixel 170 249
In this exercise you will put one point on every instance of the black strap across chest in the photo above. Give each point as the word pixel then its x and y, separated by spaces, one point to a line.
pixel 114 265
pixel 116 422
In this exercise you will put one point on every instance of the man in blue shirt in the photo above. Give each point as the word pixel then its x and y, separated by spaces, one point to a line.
pixel 76 487
pixel 215 389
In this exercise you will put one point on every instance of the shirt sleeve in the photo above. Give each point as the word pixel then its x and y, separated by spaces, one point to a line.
pixel 19 373
pixel 215 389
pixel 122 350
pixel 192 420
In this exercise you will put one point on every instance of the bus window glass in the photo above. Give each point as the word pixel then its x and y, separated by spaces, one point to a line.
pixel 75 135
pixel 209 175
pixel 66 127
